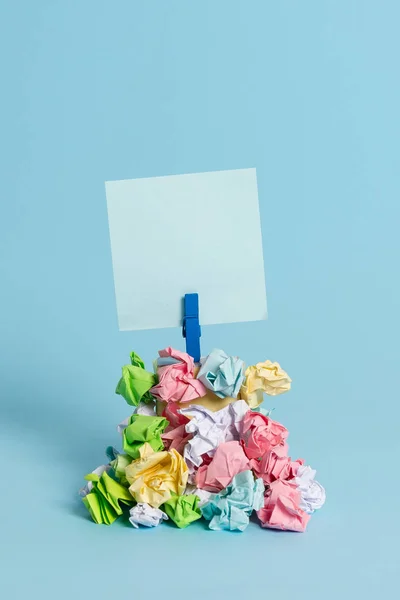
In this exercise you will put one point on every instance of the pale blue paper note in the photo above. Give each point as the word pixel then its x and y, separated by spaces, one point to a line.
pixel 183 234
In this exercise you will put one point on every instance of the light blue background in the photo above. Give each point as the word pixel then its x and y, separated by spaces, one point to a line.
pixel 307 92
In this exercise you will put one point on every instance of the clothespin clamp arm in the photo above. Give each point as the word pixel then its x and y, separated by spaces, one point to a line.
pixel 191 330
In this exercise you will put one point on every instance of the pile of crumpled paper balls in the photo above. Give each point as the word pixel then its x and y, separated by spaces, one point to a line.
pixel 198 445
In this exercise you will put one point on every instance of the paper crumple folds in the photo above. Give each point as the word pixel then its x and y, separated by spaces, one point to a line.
pixel 282 508
pixel 155 475
pixel 202 495
pixel 229 460
pixel 231 508
pixel 136 382
pixel 260 434
pixel 84 491
pixel 210 429
pixel 143 429
pixel 119 464
pixel 111 452
pixel 183 510
pixel 222 374
pixel 123 425
pixel 263 377
pixel 176 381
pixel 146 408
pixel 174 416
pixel 175 435
pixel 105 499
pixel 144 514
pixel 312 493
pixel 276 465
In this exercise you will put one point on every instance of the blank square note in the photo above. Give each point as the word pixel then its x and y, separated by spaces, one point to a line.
pixel 183 234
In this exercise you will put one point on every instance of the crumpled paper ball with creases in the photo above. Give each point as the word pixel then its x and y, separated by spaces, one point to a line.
pixel 264 377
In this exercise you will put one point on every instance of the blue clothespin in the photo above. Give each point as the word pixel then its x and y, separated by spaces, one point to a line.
pixel 191 325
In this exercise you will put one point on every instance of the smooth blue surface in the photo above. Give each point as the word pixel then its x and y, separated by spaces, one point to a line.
pixel 308 92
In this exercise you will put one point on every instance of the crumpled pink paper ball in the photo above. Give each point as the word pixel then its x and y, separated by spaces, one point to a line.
pixel 260 434
pixel 282 508
pixel 228 460
pixel 176 382
pixel 276 465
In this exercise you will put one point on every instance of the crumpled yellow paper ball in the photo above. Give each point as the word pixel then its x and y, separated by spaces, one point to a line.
pixel 263 377
pixel 155 475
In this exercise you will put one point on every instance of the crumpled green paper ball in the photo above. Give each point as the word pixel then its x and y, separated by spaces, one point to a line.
pixel 105 499
pixel 143 429
pixel 183 510
pixel 136 382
